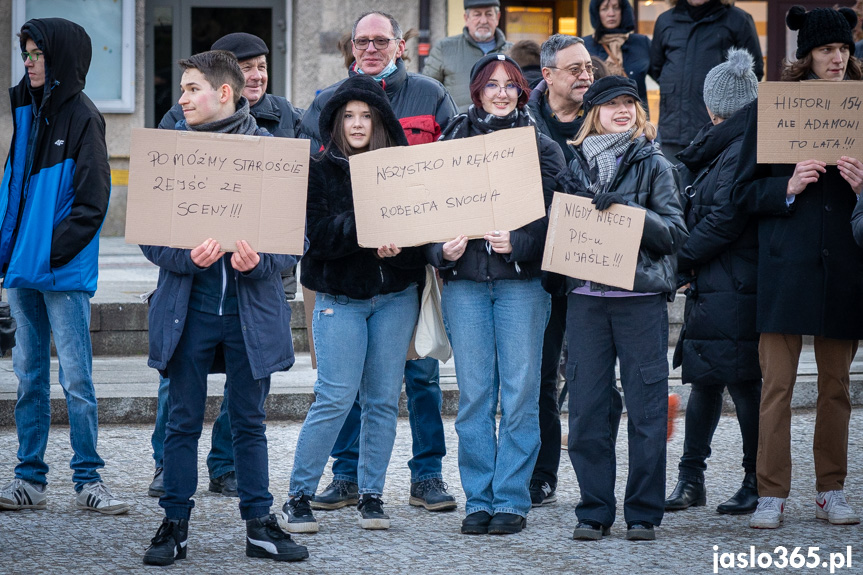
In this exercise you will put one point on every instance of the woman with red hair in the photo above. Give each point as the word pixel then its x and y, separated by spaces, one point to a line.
pixel 495 310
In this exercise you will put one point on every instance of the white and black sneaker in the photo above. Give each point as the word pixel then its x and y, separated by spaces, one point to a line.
pixel 169 544
pixel 266 540
pixel 97 497
pixel 297 515
pixel 372 515
pixel 20 494
pixel 541 493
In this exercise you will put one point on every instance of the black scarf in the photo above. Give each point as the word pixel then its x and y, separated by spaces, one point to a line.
pixel 478 121
pixel 699 12
pixel 240 122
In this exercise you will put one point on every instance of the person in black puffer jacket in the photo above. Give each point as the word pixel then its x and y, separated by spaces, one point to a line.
pixel 366 308
pixel 688 41
pixel 718 344
pixel 496 309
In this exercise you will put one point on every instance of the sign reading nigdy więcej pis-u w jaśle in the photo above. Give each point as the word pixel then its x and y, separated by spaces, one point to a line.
pixel 185 187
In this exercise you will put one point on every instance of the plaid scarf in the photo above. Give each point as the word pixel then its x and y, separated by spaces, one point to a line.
pixel 601 152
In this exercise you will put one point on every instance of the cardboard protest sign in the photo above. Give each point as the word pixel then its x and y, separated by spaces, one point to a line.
pixel 414 195
pixel 185 187
pixel 591 245
pixel 812 120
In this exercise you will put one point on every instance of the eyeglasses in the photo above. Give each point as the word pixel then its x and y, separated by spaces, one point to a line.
pixel 576 70
pixel 33 56
pixel 492 89
pixel 380 43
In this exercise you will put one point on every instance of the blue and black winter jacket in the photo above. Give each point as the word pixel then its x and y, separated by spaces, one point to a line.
pixel 57 182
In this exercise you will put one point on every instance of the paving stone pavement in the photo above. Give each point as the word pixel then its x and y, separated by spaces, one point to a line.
pixel 64 540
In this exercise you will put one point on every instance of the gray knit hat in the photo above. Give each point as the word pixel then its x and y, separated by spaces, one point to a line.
pixel 731 85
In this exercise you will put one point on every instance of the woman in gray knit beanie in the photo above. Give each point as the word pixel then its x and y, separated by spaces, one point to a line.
pixel 718 345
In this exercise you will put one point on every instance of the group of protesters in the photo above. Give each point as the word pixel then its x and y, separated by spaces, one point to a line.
pixel 765 253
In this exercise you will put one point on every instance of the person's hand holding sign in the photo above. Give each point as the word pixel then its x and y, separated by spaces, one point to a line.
pixel 245 258
pixel 499 242
pixel 207 253
pixel 852 170
pixel 388 251
pixel 805 173
pixel 454 249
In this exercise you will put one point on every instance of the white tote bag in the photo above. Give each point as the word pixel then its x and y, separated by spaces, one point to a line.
pixel 430 339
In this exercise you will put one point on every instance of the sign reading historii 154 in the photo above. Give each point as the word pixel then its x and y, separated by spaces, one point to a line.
pixel 185 187
pixel 415 195
pixel 812 120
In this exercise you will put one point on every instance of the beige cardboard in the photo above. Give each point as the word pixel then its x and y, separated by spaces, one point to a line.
pixel 414 195
pixel 812 120
pixel 597 246
pixel 185 187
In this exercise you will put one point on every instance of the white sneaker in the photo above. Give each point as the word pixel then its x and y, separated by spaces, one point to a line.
pixel 768 514
pixel 97 497
pixel 831 505
pixel 20 494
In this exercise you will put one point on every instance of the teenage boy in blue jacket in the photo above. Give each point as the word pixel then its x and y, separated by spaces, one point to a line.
pixel 53 199
pixel 206 299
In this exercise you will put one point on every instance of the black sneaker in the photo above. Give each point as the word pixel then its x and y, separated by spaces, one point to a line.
pixel 266 540
pixel 225 484
pixel 590 531
pixel 372 515
pixel 298 516
pixel 169 543
pixel 541 493
pixel 157 486
pixel 338 494
pixel 432 495
pixel 640 531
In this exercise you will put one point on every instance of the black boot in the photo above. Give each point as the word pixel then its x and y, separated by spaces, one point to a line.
pixel 686 494
pixel 745 500
pixel 266 540
pixel 169 543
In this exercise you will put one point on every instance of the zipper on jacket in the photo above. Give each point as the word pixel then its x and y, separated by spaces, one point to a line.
pixel 381 268
pixel 224 288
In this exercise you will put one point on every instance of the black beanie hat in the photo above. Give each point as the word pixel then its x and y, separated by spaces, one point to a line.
pixel 468 4
pixel 608 88
pixel 241 45
pixel 821 26
pixel 361 88
pixel 488 59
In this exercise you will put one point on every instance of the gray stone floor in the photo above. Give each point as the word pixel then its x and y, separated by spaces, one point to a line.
pixel 64 540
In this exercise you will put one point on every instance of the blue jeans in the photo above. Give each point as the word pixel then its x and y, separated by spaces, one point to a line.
pixel 360 345
pixel 221 458
pixel 422 386
pixel 67 314
pixel 188 369
pixel 635 331
pixel 496 329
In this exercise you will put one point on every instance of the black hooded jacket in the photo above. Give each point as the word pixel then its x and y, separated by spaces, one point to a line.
pixel 718 343
pixel 335 263
pixel 57 180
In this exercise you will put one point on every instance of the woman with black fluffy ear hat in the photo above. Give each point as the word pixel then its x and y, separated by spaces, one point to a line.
pixel 810 281
pixel 366 308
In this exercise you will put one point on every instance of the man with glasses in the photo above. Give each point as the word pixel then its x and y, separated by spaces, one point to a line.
pixel 450 60
pixel 53 200
pixel 422 106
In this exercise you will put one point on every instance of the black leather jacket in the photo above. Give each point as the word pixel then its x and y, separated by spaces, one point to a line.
pixel 646 180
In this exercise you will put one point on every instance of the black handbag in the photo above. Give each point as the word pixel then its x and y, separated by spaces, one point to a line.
pixel 7 326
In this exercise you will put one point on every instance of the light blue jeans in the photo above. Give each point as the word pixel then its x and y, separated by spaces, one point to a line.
pixel 496 329
pixel 361 346
pixel 67 314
